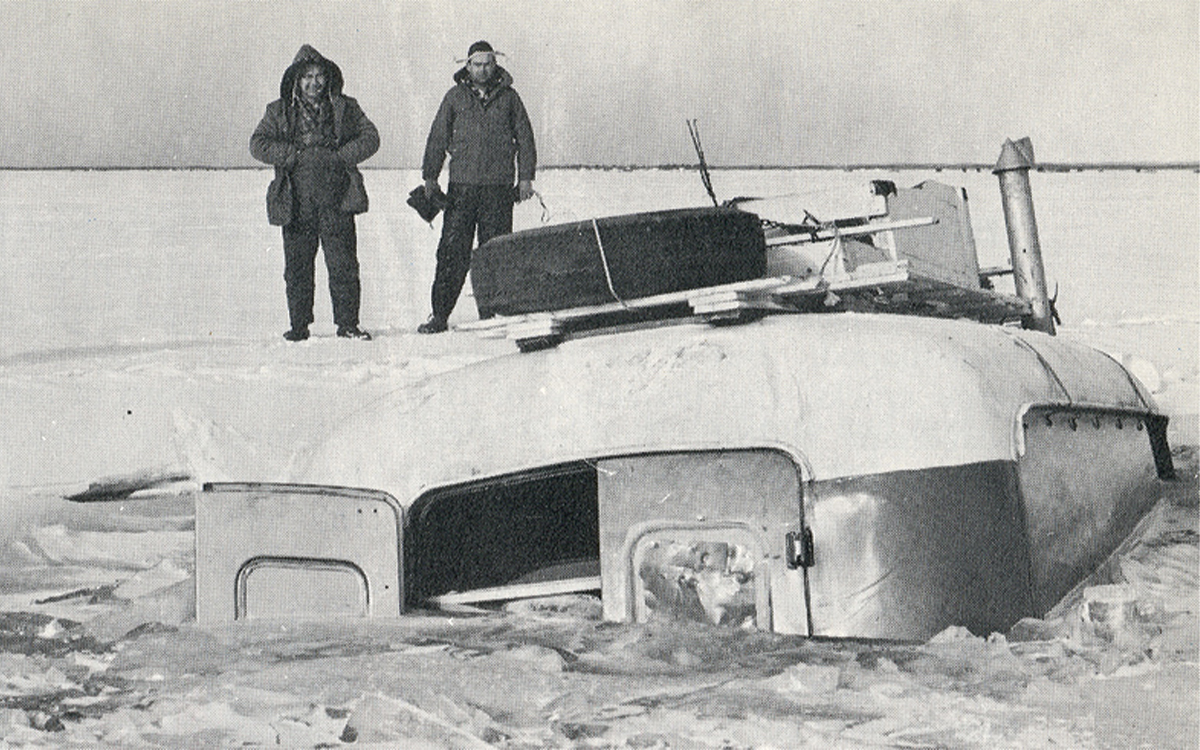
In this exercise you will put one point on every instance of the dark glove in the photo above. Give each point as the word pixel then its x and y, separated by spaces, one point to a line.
pixel 427 207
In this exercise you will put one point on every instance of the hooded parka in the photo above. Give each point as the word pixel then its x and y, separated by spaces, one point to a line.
pixel 482 133
pixel 486 131
pixel 274 140
pixel 315 146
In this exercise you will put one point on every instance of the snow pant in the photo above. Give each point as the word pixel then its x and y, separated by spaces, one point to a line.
pixel 483 209
pixel 334 231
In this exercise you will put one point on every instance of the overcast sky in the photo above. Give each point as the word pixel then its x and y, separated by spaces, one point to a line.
pixel 790 82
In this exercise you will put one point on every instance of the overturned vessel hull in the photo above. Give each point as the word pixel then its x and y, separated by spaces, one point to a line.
pixel 669 443
pixel 838 475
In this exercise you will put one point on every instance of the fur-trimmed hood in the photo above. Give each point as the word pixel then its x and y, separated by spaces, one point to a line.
pixel 307 56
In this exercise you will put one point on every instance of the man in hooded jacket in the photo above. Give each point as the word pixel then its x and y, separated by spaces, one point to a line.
pixel 315 136
pixel 482 124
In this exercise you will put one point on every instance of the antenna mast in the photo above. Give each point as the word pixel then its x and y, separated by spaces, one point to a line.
pixel 694 130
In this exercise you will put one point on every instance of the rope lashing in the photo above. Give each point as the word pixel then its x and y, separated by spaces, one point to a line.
pixel 835 248
pixel 545 211
pixel 604 262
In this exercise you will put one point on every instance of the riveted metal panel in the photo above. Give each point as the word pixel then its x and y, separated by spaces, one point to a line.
pixel 1087 476
pixel 257 544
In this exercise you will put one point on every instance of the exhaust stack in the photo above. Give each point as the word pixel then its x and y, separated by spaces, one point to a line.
pixel 1029 275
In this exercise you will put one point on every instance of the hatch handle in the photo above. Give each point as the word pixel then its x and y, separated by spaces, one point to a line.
pixel 799 548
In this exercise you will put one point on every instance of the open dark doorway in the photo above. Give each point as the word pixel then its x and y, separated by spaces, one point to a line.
pixel 528 527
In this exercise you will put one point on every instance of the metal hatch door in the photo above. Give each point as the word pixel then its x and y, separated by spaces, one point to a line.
pixel 702 535
pixel 296 551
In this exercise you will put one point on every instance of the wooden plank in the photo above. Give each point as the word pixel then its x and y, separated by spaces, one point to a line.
pixel 518 591
pixel 535 327
pixel 708 303
pixel 640 303
pixel 886 286
pixel 724 299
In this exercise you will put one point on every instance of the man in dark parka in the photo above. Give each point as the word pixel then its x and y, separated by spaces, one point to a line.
pixel 482 124
pixel 315 136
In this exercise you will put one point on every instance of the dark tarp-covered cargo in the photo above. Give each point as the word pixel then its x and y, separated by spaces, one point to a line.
pixel 616 258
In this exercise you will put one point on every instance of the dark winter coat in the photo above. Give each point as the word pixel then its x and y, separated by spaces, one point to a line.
pixel 275 139
pixel 482 135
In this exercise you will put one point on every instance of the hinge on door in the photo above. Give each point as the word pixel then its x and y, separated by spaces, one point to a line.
pixel 799 548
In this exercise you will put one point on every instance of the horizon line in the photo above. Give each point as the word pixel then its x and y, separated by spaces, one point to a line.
pixel 1068 166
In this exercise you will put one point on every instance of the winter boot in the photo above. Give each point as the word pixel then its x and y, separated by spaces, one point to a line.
pixel 353 332
pixel 433 325
pixel 296 334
